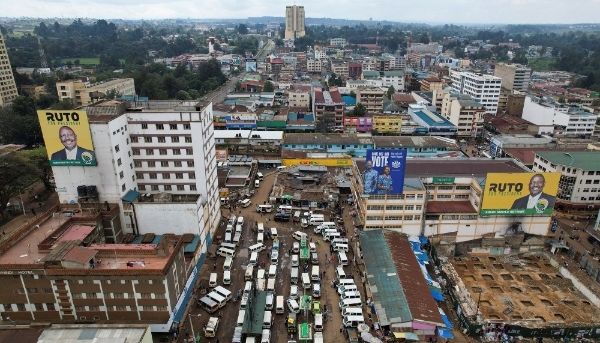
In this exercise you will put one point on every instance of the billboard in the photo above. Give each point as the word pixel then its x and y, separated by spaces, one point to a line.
pixel 519 193
pixel 384 172
pixel 250 65
pixel 68 138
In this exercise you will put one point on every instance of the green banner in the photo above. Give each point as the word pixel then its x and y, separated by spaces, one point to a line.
pixel 514 212
pixel 437 180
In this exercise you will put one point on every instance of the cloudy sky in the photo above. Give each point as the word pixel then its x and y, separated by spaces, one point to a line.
pixel 429 11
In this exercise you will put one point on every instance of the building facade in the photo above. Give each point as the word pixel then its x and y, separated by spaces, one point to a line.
pixel 8 87
pixel 314 65
pixel 485 89
pixel 84 93
pixel 299 98
pixel 328 106
pixel 566 120
pixel 514 76
pixel 372 98
pixel 467 115
pixel 294 22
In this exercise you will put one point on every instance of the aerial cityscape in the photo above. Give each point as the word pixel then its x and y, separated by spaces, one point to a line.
pixel 286 173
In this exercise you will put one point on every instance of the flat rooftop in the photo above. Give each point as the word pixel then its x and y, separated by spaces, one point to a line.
pixel 523 289
pixel 433 119
pixel 96 333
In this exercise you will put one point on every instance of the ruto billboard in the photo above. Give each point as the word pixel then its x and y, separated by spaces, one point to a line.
pixel 384 172
pixel 68 138
pixel 519 193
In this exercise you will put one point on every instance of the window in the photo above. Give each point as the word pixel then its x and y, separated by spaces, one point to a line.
pixel 179 175
pixel 120 308
pixel 166 175
pixel 160 127
pixel 50 307
pixel 444 196
pixel 91 295
pixel 177 163
pixel 176 151
pixel 134 139
pixel 376 207
pixel 139 175
pixel 180 187
pixel 586 190
pixel 118 295
pixel 148 139
pixel 162 139
pixel 7 307
pixel 119 162
pixel 168 188
pixel 154 187
pixel 187 127
pixel 161 308
pixel 144 126
pixel 148 308
pixel 409 207
pixel 174 139
pixel 192 175
pixel 164 163
pixel 146 295
pixel 192 187
pixel 173 126
pixel 152 164
pixel 162 151
pixel 190 163
pixel 149 151
pixel 32 290
pixel 588 182
pixel 121 174
pixel 94 308
pixel 152 175
pixel 142 188
pixel 461 197
pixel 47 290
pixel 117 148
pixel 39 307
pixel 79 308
pixel 188 139
pixel 189 151
pixel 136 151
pixel 137 164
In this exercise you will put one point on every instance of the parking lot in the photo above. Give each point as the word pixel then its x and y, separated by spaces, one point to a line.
pixel 329 298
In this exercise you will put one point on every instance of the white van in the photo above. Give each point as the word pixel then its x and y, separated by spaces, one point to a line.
pixel 315 275
pixel 339 241
pixel 303 223
pixel 314 258
pixel 285 209
pixel 227 277
pixel 297 215
pixel 275 257
pixel 240 220
pixel 230 246
pixel 246 203
pixel 318 337
pixel 305 281
pixel 328 225
pixel 253 258
pixel 260 237
pixel 281 168
pixel 350 295
pixel 212 281
pixel 352 311
pixel 331 235
pixel 267 320
pixel 316 293
pixel 264 208
pixel 312 247
pixel 340 247
pixel 256 248
pixel 227 263
pixel 261 284
pixel 272 271
pixel 294 292
pixel 223 292
pixel 266 336
pixel 248 287
pixel 295 260
pixel 229 229
pixel 218 298
pixel 293 305
pixel 237 238
pixel 340 274
pixel 274 232
pixel 345 282
pixel 299 235
pixel 256 184
pixel 259 176
pixel 328 231
pixel 271 286
pixel 260 228
pixel 232 220
pixel 318 322
pixel 350 303
pixel 238 229
pixel 260 274
pixel 240 318
pixel 226 252
pixel 244 301
pixel 353 321
pixel 347 288
pixel 342 258
pixel 279 305
pixel 294 275
pixel 228 238
pixel 316 221
pixel 269 301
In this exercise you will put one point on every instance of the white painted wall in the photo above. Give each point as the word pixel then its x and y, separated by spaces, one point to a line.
pixel 537 114
pixel 162 218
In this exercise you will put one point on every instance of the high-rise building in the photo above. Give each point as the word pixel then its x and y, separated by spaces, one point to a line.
pixel 514 76
pixel 8 88
pixel 294 22
pixel 485 89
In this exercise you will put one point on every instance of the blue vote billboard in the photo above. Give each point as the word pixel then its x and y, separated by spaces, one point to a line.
pixel 384 172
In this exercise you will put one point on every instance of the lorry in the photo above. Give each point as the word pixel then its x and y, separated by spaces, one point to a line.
pixel 304 333
pixel 291 322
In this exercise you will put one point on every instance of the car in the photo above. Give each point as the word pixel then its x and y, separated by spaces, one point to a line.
pixel 282 217
pixel 294 292
pixel 296 247
pixel 274 257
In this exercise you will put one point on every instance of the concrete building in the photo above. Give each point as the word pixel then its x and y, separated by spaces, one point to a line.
pixel 514 76
pixel 354 70
pixel 8 88
pixel 294 22
pixel 340 69
pixel 393 78
pixel 314 65
pixel 328 103
pixel 515 104
pixel 429 84
pixel 430 122
pixel 341 42
pixel 467 115
pixel 84 93
pixel 579 186
pixel 372 98
pixel 388 124
pixel 567 121
pixel 485 89
pixel 320 54
pixel 330 143
pixel 121 333
pixel 299 98
pixel 420 146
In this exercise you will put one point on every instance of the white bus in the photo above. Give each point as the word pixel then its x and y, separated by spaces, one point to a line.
pixel 264 208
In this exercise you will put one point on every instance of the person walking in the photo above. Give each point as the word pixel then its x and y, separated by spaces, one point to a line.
pixel 215 266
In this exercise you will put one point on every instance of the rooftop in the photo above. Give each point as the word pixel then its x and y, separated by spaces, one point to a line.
pixel 587 161
pixel 403 98
pixel 527 156
pixel 432 118
pixel 521 139
pixel 332 138
pixel 113 333
pixel 414 141
pixel 469 103
pixel 450 207
pixel 476 167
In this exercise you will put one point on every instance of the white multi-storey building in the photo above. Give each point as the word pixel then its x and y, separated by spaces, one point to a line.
pixel 320 54
pixel 393 78
pixel 565 119
pixel 485 89
pixel 314 66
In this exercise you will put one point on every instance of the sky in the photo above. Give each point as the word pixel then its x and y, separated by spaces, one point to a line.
pixel 414 11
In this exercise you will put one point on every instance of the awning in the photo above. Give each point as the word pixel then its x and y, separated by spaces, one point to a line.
pixel 130 196
pixel 445 333
pixel 436 295
pixel 400 334
pixel 270 161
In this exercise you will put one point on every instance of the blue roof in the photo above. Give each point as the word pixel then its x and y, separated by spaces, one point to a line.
pixel 388 295
pixel 348 100
pixel 191 246
pixel 434 119
pixel 130 196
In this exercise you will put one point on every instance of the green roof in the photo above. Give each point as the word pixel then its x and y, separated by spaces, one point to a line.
pixel 583 160
pixel 393 73
pixel 370 74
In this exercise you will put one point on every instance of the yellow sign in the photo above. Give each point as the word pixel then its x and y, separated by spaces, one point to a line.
pixel 329 162
pixel 68 138
pixel 519 193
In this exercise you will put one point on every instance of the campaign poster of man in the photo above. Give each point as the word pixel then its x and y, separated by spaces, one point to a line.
pixel 384 172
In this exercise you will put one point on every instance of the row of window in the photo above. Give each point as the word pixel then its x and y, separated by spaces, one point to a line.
pixel 397 196
pixel 173 139
pixel 144 282
pixel 163 152
pixel 166 187
pixel 171 126
pixel 32 290
pixel 152 164
pixel 395 207
pixel 404 218
pixel 121 308
pixel 165 176
pixel 118 295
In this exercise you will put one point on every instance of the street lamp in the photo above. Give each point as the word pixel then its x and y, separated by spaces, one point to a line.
pixel 192 326
pixel 22 205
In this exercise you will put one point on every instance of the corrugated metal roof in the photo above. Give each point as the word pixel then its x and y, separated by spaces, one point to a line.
pixel 80 255
pixel 450 207
pixel 99 334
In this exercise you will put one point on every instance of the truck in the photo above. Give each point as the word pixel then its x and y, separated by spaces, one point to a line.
pixel 291 322
pixel 237 335
pixel 304 333
pixel 352 335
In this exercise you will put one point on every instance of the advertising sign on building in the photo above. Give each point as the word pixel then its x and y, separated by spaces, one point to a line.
pixel 519 193
pixel 67 137
pixel 250 65
pixel 221 155
pixel 384 172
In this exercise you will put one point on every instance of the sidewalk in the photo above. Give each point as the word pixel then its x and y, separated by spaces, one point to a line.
pixel 18 221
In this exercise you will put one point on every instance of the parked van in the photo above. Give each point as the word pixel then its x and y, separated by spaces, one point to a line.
pixel 269 301
pixel 340 247
pixel 212 281
pixel 264 208
pixel 272 271
pixel 226 252
pixel 279 305
pixel 228 238
pixel 260 237
pixel 299 235
pixel 260 228
pixel 271 286
pixel 312 247
pixel 267 320
pixel 316 292
pixel 318 322
pixel 350 295
pixel 261 274
pixel 265 337
pixel 294 292
pixel 340 240
pixel 342 258
pixel 347 288
pixel 318 337
pixel 353 321
pixel 256 184
pixel 316 220
pixel 227 277
pixel 258 247
pixel 229 229
pixel 227 246
pixel 223 292
pixel 303 223
pixel 232 219
pixel 294 275
pixel 274 232
pixel 350 303
pixel 328 231
pixel 352 311
pixel 345 282
pixel 297 215
pixel 314 258
pixel 208 304
pixel 285 209
pixel 261 284
pixel 259 176
pixel 253 258
pixel 305 281
pixel 295 260
pixel 275 257
pixel 244 301
pixel 293 305
pixel 331 235
pixel 328 225
pixel 238 229
pixel 240 220
pixel 340 274
pixel 248 287
pixel 281 168
pixel 216 297
pixel 227 263
pixel 240 318
pixel 246 203
pixel 315 275
pixel 236 238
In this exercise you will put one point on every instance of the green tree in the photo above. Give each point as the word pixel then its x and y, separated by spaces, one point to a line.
pixel 596 102
pixel 183 95
pixel 391 91
pixel 39 158
pixel 20 124
pixel 64 104
pixel 562 100
pixel 268 87
pixel 360 110
pixel 15 174
pixel 352 94
pixel 193 93
pixel 242 29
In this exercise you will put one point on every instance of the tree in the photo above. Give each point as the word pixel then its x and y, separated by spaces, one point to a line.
pixel 193 93
pixel 278 42
pixel 242 29
pixel 183 95
pixel 352 94
pixel 15 174
pixel 325 122
pixel 360 110
pixel 562 100
pixel 596 102
pixel 391 91
pixel 64 104
pixel 39 158
pixel 20 124
pixel 268 87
